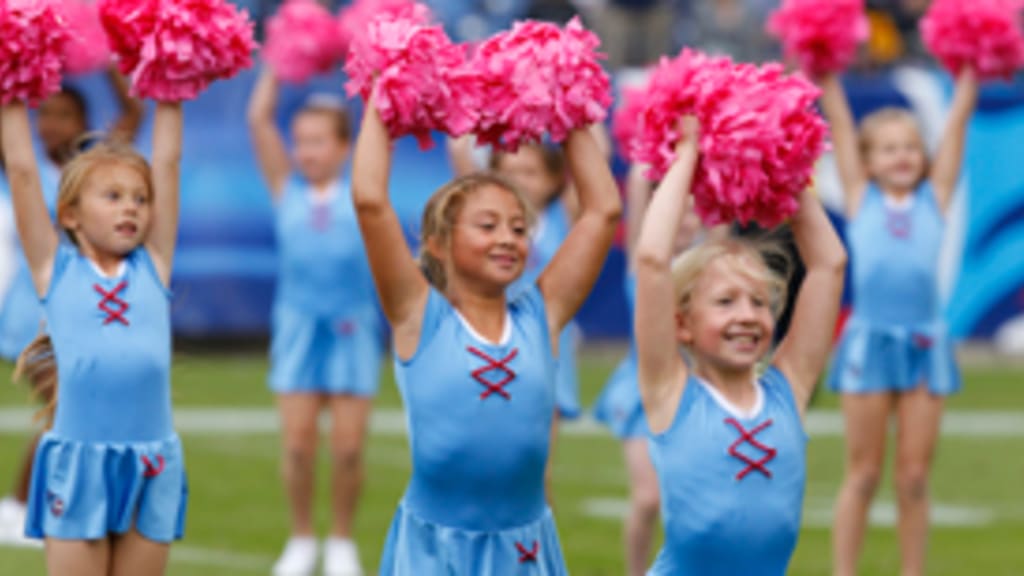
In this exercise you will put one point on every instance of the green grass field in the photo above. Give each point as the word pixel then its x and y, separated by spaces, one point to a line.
pixel 236 522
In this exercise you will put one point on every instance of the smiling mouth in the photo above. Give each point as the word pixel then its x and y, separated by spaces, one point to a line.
pixel 127 229
pixel 744 340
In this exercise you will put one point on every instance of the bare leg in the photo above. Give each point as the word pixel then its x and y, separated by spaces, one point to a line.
pixel 920 416
pixel 349 418
pixel 300 435
pixel 866 419
pixel 78 557
pixel 133 554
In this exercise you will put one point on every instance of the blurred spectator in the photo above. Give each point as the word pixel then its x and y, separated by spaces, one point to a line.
pixel 634 32
pixel 732 28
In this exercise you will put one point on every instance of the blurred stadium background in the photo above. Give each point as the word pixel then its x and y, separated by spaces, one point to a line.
pixel 224 278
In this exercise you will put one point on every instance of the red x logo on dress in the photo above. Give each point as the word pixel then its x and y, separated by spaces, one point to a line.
pixel 494 364
pixel 898 224
pixel 528 555
pixel 321 217
pixel 749 437
pixel 113 314
pixel 152 470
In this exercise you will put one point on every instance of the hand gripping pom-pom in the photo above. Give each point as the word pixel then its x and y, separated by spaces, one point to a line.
pixel 822 35
pixel 537 79
pixel 303 40
pixel 87 49
pixel 760 136
pixel 33 37
pixel 421 77
pixel 983 34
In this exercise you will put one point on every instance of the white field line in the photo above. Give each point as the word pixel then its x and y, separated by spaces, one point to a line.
pixel 818 513
pixel 196 556
pixel 391 422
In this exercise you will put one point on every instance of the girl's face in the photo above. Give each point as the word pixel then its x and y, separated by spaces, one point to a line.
pixel 318 152
pixel 60 123
pixel 489 240
pixel 728 323
pixel 528 171
pixel 112 214
pixel 895 156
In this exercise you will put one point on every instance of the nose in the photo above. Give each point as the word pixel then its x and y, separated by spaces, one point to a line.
pixel 746 311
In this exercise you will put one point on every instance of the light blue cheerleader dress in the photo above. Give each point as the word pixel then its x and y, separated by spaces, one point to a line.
pixel 479 417
pixel 326 332
pixel 732 484
pixel 895 339
pixel 112 460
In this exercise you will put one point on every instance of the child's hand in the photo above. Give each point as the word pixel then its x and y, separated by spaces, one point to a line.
pixel 689 132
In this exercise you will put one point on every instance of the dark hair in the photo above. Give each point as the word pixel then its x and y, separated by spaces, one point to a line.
pixel 339 117
pixel 552 157
pixel 77 99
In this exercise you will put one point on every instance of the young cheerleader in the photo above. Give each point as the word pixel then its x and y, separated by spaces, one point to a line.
pixel 539 172
pixel 475 368
pixel 619 406
pixel 326 345
pixel 108 488
pixel 62 121
pixel 728 445
pixel 894 355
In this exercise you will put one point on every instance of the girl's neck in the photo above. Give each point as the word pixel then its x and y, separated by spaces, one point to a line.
pixel 736 386
pixel 895 192
pixel 486 314
pixel 109 265
pixel 323 188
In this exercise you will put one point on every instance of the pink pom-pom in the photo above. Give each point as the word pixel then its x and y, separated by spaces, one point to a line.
pixel 983 34
pixel 87 50
pixel 33 35
pixel 539 78
pixel 303 40
pixel 760 135
pixel 193 43
pixel 421 77
pixel 354 21
pixel 822 35
pixel 128 23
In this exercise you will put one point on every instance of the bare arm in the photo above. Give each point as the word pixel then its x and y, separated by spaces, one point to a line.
pixel 844 142
pixel 569 277
pixel 126 126
pixel 460 154
pixel 638 195
pixel 662 373
pixel 271 153
pixel 401 286
pixel 38 236
pixel 945 171
pixel 802 354
pixel 163 236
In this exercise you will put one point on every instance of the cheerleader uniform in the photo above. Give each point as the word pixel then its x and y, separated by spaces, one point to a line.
pixel 479 416
pixel 619 406
pixel 326 332
pixel 732 484
pixel 112 459
pixel 895 338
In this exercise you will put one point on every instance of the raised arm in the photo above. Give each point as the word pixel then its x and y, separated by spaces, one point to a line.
pixel 849 163
pixel 271 153
pixel 167 135
pixel 401 286
pixel 802 354
pixel 945 171
pixel 38 237
pixel 569 277
pixel 661 371
pixel 460 155
pixel 126 126
pixel 638 195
